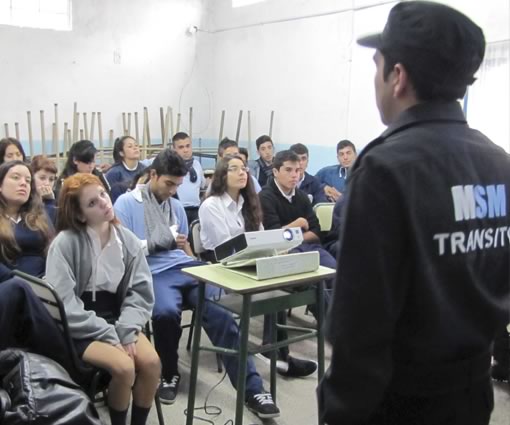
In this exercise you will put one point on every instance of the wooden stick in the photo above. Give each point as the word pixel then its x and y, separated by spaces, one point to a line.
pixel 6 129
pixel 171 123
pixel 137 130
pixel 43 135
pixel 56 145
pixel 66 142
pixel 30 138
pixel 166 142
pixel 69 139
pixel 86 126
pixel 92 125
pixel 82 134
pixel 16 130
pixel 144 134
pixel 178 122
pixel 146 111
pixel 77 128
pixel 129 124
pixel 190 122
pixel 124 126
pixel 76 124
pixel 162 122
pixel 239 120
pixel 222 123
pixel 271 124
pixel 100 135
pixel 111 138
pixel 54 139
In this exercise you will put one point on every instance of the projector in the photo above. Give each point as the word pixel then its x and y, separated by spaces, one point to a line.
pixel 244 249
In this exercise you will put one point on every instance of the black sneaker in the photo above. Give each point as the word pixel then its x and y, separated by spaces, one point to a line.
pixel 296 368
pixel 263 406
pixel 168 389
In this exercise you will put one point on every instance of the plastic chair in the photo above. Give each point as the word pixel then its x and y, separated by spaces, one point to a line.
pixel 324 212
pixel 51 300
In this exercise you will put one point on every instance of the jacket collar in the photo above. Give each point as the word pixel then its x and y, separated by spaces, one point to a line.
pixel 417 114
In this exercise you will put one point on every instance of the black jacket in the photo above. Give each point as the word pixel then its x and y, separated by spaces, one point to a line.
pixel 423 273
pixel 279 212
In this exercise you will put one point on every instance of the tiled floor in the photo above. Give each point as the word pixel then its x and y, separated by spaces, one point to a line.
pixel 296 397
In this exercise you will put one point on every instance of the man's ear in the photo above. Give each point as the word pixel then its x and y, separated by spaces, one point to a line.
pixel 152 173
pixel 400 80
pixel 275 172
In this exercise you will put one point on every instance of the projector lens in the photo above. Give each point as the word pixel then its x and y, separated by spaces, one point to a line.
pixel 287 235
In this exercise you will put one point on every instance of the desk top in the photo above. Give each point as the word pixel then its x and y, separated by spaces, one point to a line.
pixel 223 277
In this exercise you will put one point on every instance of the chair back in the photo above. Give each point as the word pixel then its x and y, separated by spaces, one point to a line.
pixel 51 300
pixel 195 241
pixel 324 212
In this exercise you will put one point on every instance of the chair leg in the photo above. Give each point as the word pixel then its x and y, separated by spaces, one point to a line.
pixel 161 418
pixel 190 335
pixel 219 363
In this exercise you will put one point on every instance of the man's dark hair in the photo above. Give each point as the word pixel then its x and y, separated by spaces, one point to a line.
pixel 224 144
pixel 345 144
pixel 168 163
pixel 283 156
pixel 244 151
pixel 299 148
pixel 263 139
pixel 181 135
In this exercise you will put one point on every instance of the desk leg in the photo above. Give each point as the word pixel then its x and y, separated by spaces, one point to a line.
pixel 195 351
pixel 320 333
pixel 274 354
pixel 243 356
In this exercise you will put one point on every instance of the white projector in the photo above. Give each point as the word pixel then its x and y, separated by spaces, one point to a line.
pixel 258 255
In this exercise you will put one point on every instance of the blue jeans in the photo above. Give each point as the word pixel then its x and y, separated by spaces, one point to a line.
pixel 173 291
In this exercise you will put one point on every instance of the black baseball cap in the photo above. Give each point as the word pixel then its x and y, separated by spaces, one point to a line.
pixel 424 34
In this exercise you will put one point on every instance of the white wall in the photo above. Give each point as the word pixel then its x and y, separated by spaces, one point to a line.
pixel 43 67
pixel 309 71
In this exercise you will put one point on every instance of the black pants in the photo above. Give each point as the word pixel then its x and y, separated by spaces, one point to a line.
pixel 501 351
pixel 25 323
pixel 191 214
pixel 471 406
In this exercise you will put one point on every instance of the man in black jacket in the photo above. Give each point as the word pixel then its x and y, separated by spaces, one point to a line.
pixel 423 269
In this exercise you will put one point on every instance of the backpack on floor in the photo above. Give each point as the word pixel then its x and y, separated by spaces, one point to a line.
pixel 36 390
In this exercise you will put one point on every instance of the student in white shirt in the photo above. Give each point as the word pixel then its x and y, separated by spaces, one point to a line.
pixel 98 268
pixel 232 207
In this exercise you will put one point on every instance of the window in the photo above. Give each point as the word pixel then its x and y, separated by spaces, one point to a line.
pixel 240 3
pixel 49 14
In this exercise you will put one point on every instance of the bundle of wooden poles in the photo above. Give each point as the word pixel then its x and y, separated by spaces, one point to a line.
pixel 80 128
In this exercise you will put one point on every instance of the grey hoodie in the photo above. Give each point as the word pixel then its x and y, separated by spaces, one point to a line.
pixel 69 269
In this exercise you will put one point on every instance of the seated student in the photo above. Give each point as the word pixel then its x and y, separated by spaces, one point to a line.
pixel 261 168
pixel 308 183
pixel 45 175
pixel 126 156
pixel 335 176
pixel 230 147
pixel 194 181
pixel 231 208
pixel 151 213
pixel 25 227
pixel 11 150
pixel 81 159
pixel 284 206
pixel 99 270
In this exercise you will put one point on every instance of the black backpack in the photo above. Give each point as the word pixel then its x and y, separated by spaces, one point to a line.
pixel 36 390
